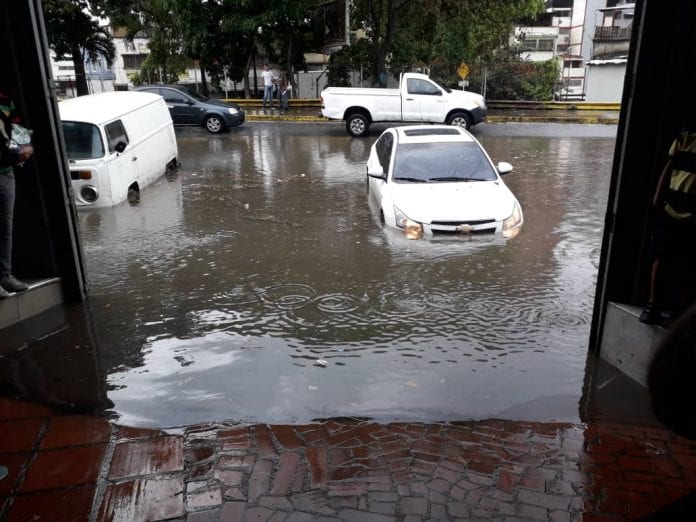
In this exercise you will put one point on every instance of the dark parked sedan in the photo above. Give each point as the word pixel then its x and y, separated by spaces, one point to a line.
pixel 188 107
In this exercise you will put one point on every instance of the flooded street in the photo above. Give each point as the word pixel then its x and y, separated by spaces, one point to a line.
pixel 256 285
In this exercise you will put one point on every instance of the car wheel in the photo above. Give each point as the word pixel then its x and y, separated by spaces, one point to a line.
pixel 357 125
pixel 214 124
pixel 460 119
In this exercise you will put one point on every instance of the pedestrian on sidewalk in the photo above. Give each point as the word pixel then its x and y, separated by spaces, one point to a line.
pixel 285 90
pixel 15 149
pixel 674 225
pixel 268 83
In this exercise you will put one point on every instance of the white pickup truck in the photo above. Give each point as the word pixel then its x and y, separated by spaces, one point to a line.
pixel 418 99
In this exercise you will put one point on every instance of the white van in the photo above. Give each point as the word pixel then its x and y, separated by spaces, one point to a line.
pixel 116 142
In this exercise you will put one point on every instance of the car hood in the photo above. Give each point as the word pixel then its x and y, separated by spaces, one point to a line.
pixel 468 96
pixel 461 201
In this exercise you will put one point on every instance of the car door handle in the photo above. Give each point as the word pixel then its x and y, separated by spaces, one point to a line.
pixel 409 99
pixel 134 158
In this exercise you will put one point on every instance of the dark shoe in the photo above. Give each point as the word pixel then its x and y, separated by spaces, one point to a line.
pixel 4 294
pixel 11 284
pixel 651 315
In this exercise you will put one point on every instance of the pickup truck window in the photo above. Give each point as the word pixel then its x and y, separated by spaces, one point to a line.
pixel 419 86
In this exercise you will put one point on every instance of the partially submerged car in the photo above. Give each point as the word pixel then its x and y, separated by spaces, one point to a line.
pixel 187 107
pixel 117 143
pixel 438 179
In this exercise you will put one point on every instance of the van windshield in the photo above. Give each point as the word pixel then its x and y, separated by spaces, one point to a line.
pixel 82 140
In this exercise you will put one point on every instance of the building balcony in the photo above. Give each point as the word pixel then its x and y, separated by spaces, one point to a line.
pixel 612 33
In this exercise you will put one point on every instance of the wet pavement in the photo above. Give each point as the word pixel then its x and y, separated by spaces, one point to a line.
pixel 70 467
pixel 256 347
pixel 257 285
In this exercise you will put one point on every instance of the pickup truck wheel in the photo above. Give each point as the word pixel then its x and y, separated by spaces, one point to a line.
pixel 357 125
pixel 460 119
pixel 214 124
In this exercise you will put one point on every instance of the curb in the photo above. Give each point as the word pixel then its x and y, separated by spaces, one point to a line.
pixel 605 120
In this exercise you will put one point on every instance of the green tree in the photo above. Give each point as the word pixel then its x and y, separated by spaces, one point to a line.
pixel 438 34
pixel 380 20
pixel 287 32
pixel 73 32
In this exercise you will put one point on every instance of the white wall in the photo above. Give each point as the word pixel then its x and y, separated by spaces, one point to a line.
pixel 604 83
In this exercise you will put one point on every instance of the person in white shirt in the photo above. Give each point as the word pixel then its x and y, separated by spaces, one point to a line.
pixel 268 81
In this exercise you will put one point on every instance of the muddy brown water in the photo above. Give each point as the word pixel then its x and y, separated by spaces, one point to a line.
pixel 255 284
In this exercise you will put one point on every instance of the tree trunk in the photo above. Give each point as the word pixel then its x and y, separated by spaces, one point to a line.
pixel 204 82
pixel 247 67
pixel 80 76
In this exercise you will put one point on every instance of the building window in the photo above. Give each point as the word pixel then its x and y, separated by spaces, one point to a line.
pixel 133 61
pixel 536 45
pixel 572 64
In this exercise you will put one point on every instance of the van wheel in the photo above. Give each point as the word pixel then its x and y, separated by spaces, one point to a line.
pixel 214 124
pixel 460 119
pixel 357 125
pixel 133 195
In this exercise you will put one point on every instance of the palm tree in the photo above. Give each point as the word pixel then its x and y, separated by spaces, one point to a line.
pixel 72 32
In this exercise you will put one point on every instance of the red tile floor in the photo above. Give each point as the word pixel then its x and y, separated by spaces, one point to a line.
pixel 70 467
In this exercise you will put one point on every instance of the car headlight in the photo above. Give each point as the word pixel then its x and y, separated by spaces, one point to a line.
pixel 232 110
pixel 413 229
pixel 512 224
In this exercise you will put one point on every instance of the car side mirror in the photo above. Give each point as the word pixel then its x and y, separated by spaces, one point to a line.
pixel 120 146
pixel 376 171
pixel 504 168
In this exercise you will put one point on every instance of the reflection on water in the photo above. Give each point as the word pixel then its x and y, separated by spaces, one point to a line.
pixel 256 285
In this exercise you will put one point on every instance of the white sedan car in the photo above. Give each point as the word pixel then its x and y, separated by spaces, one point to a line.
pixel 438 179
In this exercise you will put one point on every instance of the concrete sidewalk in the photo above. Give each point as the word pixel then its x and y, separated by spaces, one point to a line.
pixel 83 468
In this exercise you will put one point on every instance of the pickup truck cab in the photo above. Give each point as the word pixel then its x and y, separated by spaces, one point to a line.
pixel 418 99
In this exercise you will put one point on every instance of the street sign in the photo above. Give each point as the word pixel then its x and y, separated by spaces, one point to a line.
pixel 463 71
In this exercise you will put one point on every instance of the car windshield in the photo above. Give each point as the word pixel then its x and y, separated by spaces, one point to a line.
pixel 433 162
pixel 82 140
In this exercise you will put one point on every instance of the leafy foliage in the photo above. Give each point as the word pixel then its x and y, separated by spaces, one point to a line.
pixel 72 32
pixel 516 80
pixel 228 36
pixel 357 57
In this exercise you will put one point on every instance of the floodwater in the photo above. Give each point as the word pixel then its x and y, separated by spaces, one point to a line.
pixel 255 284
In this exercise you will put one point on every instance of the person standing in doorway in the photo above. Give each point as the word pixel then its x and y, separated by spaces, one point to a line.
pixel 268 82
pixel 14 151
pixel 674 204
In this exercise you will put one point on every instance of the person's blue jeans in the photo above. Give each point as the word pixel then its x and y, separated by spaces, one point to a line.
pixel 7 199
pixel 268 95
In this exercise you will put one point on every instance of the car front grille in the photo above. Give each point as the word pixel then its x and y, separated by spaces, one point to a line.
pixel 483 226
pixel 459 223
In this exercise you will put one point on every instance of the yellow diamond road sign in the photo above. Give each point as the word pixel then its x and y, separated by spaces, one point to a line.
pixel 463 71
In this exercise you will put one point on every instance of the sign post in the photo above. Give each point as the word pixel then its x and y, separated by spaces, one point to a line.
pixel 463 72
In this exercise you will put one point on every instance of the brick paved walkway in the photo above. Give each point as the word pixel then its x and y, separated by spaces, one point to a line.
pixel 68 467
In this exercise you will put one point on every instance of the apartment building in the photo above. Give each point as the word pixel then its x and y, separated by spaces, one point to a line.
pixel 578 33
